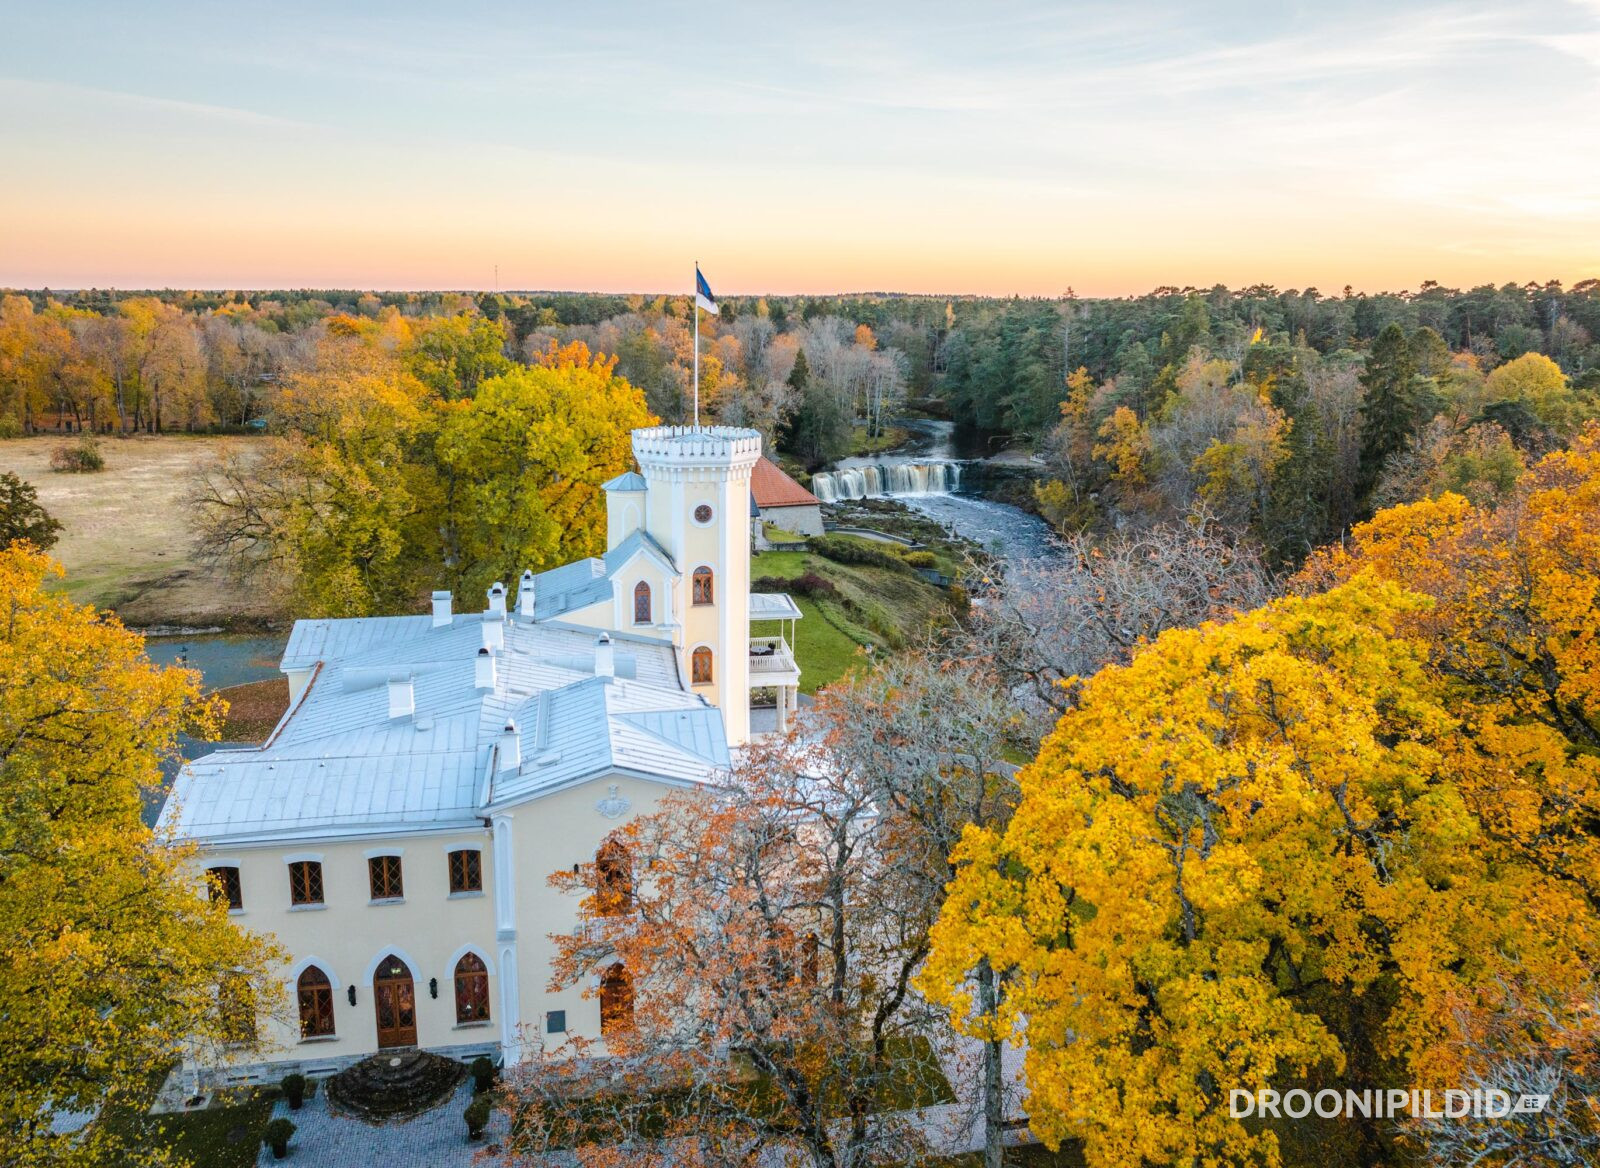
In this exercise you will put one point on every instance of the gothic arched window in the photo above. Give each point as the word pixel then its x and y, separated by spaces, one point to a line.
pixel 641 603
pixel 472 989
pixel 316 1003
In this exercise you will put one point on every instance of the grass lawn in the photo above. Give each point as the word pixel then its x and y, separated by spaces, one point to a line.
pixel 874 606
pixel 227 1135
pixel 126 540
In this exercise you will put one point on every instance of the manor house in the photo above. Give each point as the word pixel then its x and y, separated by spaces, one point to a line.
pixel 396 830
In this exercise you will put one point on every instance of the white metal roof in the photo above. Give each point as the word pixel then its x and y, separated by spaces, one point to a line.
pixel 338 765
pixel 773 606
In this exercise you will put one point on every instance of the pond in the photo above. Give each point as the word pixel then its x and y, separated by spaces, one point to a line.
pixel 223 659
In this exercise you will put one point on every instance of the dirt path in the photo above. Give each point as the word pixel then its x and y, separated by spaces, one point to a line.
pixel 127 543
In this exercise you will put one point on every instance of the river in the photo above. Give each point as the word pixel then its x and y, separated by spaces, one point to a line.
pixel 940 472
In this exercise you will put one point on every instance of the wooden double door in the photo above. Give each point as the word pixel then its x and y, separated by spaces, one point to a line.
pixel 394 996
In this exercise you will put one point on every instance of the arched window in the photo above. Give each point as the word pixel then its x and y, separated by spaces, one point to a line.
pixel 316 1003
pixel 613 878
pixel 700 666
pixel 472 989
pixel 702 586
pixel 616 1000
pixel 641 603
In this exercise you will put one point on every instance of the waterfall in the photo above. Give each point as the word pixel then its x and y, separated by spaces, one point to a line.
pixel 876 480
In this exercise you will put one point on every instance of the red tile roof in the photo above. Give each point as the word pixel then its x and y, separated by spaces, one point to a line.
pixel 772 488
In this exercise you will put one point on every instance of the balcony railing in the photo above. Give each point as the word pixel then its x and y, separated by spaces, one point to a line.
pixel 771 661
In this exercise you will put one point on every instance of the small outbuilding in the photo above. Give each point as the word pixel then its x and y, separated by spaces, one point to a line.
pixel 782 502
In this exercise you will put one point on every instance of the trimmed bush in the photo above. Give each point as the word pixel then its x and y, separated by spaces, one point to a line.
pixel 842 549
pixel 809 584
pixel 81 457
pixel 276 1135
pixel 477 1116
pixel 482 1070
pixel 294 1090
pixel 921 559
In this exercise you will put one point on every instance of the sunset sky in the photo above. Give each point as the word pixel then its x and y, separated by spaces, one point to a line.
pixel 991 147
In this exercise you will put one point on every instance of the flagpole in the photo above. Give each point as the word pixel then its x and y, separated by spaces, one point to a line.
pixel 696 300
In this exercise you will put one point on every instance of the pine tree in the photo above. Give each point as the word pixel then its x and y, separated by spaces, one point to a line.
pixel 1296 515
pixel 1388 404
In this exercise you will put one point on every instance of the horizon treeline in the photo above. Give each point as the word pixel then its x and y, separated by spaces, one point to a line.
pixel 1287 415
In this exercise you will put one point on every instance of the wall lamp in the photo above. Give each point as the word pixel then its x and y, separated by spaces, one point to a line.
pixel 433 987
pixel 352 995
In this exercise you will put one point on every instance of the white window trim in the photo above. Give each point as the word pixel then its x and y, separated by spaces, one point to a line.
pixel 306 963
pixel 303 858
pixel 450 966
pixel 374 853
pixel 470 846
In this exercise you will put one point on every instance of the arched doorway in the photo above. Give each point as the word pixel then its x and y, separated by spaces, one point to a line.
pixel 395 999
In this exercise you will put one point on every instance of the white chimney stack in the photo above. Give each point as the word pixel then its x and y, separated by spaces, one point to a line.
pixel 525 594
pixel 510 748
pixel 605 659
pixel 494 635
pixel 441 609
pixel 402 698
pixel 497 600
pixel 484 676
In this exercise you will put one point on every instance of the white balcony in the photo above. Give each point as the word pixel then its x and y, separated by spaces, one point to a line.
pixel 772 663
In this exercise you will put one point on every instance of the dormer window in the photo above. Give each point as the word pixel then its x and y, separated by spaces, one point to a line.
pixel 641 603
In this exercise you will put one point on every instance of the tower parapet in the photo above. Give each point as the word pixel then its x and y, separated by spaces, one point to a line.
pixel 696 453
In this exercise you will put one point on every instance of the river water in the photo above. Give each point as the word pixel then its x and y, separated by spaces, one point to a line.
pixel 940 473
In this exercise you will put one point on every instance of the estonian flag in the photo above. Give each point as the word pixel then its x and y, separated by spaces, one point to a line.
pixel 702 293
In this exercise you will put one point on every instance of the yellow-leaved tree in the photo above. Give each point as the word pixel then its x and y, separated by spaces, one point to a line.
pixel 522 464
pixel 113 958
pixel 1248 859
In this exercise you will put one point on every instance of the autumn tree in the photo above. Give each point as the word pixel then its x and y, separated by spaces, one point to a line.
pixel 930 732
pixel 522 464
pixel 1048 624
pixel 22 517
pixel 333 511
pixel 1245 859
pixel 114 956
pixel 767 946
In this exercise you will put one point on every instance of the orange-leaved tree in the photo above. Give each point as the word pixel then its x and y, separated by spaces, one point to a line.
pixel 753 949
pixel 114 960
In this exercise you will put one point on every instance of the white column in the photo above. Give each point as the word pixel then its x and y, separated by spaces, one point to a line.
pixel 505 922
pixel 783 708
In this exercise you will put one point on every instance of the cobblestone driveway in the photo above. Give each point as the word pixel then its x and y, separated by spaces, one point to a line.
pixel 435 1139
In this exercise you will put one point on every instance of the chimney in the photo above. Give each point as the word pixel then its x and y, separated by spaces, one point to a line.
pixel 525 594
pixel 402 698
pixel 494 634
pixel 605 658
pixel 510 748
pixel 485 672
pixel 441 609
pixel 497 600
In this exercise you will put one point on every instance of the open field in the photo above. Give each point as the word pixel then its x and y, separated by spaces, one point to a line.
pixel 126 541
